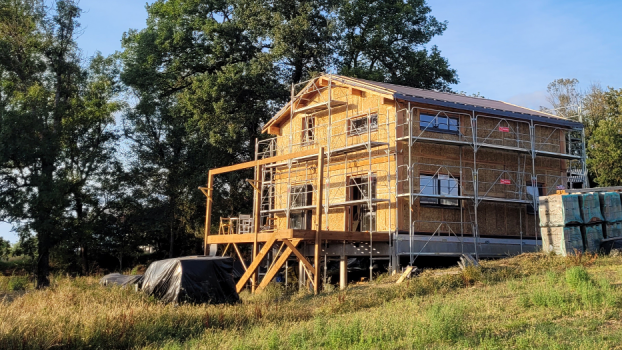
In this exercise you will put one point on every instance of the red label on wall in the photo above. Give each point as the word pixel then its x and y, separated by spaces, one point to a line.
pixel 504 129
pixel 505 182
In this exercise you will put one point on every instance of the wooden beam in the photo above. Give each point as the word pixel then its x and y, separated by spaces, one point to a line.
pixel 237 250
pixel 356 92
pixel 226 248
pixel 257 217
pixel 318 214
pixel 277 265
pixel 255 264
pixel 253 163
pixel 305 235
pixel 208 210
pixel 299 255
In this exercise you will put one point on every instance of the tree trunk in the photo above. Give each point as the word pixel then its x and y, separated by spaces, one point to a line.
pixel 84 260
pixel 43 264
pixel 172 241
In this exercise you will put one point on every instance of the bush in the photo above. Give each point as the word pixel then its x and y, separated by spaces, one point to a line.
pixel 18 283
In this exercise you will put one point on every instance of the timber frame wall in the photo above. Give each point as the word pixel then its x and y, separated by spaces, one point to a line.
pixel 344 145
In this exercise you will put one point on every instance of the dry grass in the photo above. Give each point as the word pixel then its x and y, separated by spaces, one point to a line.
pixel 530 301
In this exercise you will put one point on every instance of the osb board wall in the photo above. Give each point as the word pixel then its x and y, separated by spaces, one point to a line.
pixel 336 177
pixel 357 105
pixel 494 219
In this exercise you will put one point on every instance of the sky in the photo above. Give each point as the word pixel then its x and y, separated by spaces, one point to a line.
pixel 505 50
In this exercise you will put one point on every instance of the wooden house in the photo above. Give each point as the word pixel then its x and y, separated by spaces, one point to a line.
pixel 357 168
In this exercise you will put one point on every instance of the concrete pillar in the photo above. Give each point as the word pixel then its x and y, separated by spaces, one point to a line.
pixel 343 272
pixel 301 275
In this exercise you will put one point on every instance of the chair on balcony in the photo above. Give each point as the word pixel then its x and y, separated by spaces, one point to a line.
pixel 226 226
pixel 245 223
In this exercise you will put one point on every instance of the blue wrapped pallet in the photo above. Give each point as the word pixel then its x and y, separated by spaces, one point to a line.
pixel 613 229
pixel 592 236
pixel 590 208
pixel 610 206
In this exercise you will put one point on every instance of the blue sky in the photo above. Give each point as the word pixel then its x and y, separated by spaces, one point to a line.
pixel 505 50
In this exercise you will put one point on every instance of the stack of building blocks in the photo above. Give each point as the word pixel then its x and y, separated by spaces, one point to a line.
pixel 611 209
pixel 592 228
pixel 560 217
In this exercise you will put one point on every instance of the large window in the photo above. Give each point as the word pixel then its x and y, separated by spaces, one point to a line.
pixel 308 130
pixel 534 192
pixel 363 187
pixel 359 126
pixel 300 220
pixel 301 196
pixel 438 123
pixel 363 217
pixel 439 185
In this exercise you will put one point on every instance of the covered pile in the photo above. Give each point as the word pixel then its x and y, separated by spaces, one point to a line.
pixel 193 279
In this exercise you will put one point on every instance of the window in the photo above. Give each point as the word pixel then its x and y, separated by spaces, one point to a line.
pixel 301 196
pixel 438 123
pixel 363 218
pixel 308 130
pixel 358 126
pixel 300 220
pixel 438 185
pixel 531 192
pixel 361 189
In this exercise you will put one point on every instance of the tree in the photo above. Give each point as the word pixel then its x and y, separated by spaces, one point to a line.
pixel 605 144
pixel 385 41
pixel 5 249
pixel 53 123
pixel 203 89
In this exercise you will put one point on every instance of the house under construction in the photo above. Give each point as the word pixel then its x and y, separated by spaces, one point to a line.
pixel 356 168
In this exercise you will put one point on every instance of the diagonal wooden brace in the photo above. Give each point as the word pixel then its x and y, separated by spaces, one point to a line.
pixel 277 265
pixel 299 255
pixel 255 264
pixel 237 250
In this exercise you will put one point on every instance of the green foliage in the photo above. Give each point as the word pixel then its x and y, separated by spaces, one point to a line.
pixel 56 138
pixel 5 249
pixel 605 143
pixel 384 41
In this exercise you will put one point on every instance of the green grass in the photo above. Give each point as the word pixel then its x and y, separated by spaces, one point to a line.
pixel 531 301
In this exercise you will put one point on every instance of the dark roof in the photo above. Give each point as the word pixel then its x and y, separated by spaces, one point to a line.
pixel 483 105
pixel 448 100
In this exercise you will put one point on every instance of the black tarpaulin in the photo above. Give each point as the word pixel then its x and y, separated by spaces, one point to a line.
pixel 118 279
pixel 193 279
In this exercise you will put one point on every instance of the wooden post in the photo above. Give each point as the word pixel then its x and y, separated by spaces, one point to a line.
pixel 318 213
pixel 343 272
pixel 257 218
pixel 208 209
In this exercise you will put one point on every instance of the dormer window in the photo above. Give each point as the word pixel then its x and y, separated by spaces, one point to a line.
pixel 362 125
pixel 438 123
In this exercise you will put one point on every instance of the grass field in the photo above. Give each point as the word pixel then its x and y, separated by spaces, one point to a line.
pixel 530 301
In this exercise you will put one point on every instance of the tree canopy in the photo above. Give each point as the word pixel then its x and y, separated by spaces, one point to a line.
pixel 101 156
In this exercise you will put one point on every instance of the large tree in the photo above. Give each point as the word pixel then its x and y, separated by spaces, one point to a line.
pixel 54 118
pixel 207 74
pixel 203 90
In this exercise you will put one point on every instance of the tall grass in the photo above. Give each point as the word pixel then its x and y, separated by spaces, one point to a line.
pixel 529 301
